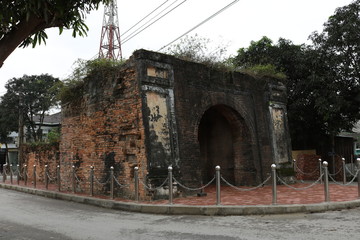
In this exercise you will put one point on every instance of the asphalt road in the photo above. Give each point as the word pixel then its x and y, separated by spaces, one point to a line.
pixel 30 217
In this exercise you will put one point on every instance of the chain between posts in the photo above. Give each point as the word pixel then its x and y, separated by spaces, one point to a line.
pixel 303 188
pixel 298 170
pixel 195 189
pixel 245 189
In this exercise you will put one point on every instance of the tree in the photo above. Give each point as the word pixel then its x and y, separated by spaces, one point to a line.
pixel 321 101
pixel 24 22
pixel 33 96
pixel 197 49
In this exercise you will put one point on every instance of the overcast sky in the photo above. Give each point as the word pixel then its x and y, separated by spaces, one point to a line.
pixel 243 22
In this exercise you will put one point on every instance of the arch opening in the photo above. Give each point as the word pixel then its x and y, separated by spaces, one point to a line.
pixel 225 140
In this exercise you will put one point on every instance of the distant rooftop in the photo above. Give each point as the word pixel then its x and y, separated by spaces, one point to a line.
pixel 50 119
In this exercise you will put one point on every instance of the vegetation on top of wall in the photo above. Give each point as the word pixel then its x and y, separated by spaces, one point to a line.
pixel 73 87
pixel 201 50
pixel 261 71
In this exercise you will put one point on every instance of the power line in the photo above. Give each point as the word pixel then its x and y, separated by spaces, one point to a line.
pixel 135 33
pixel 145 17
pixel 201 23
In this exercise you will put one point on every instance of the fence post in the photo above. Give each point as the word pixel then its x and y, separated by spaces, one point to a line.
pixel 25 174
pixel 73 179
pixel 294 166
pixel 136 176
pixel 18 174
pixel 358 175
pixel 112 182
pixel 34 176
pixel 46 176
pixel 58 177
pixel 11 174
pixel 4 173
pixel 320 170
pixel 326 181
pixel 218 178
pixel 91 181
pixel 274 191
pixel 344 170
pixel 170 177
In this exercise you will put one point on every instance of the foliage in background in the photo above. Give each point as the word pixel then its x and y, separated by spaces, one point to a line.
pixel 24 22
pixel 197 49
pixel 35 95
pixel 73 87
pixel 322 79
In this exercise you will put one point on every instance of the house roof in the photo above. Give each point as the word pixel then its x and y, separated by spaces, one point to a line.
pixel 52 119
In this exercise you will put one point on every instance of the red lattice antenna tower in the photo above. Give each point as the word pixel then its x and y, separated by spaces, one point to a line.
pixel 110 45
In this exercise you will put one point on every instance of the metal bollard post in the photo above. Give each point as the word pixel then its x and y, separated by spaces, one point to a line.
pixel 320 170
pixel 34 175
pixel 358 175
pixel 274 191
pixel 326 182
pixel 344 170
pixel 218 190
pixel 294 165
pixel 73 179
pixel 25 174
pixel 91 181
pixel 112 182
pixel 18 174
pixel 4 173
pixel 170 177
pixel 58 177
pixel 136 176
pixel 11 174
pixel 46 177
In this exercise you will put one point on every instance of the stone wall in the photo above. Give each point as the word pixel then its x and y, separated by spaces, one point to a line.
pixel 159 111
pixel 104 129
pixel 40 156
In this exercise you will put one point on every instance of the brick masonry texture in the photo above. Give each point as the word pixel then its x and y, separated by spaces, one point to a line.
pixel 158 111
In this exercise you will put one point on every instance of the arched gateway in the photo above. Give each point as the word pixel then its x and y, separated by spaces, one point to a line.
pixel 224 140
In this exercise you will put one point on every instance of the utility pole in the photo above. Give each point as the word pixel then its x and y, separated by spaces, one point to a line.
pixel 110 45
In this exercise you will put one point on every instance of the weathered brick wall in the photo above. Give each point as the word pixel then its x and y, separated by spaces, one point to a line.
pixel 105 129
pixel 159 111
pixel 241 99
pixel 307 167
pixel 40 156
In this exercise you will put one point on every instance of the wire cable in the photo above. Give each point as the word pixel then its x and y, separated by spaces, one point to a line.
pixel 201 23
pixel 124 33
pixel 137 31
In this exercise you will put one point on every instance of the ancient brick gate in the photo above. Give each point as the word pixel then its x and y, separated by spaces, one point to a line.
pixel 160 111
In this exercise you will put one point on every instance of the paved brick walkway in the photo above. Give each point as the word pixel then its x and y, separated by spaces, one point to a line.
pixel 260 196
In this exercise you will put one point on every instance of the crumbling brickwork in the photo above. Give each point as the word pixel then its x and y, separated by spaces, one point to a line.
pixel 160 111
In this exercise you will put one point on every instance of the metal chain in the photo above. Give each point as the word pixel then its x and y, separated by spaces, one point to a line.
pixel 151 189
pixel 194 189
pixel 346 184
pixel 50 178
pixel 349 171
pixel 246 189
pixel 297 168
pixel 118 183
pixel 304 188
pixel 101 183
pixel 333 174
pixel 77 179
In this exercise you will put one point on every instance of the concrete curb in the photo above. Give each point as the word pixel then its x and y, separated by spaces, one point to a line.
pixel 209 210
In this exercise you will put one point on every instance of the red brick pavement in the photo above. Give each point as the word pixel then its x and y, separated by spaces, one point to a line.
pixel 260 196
